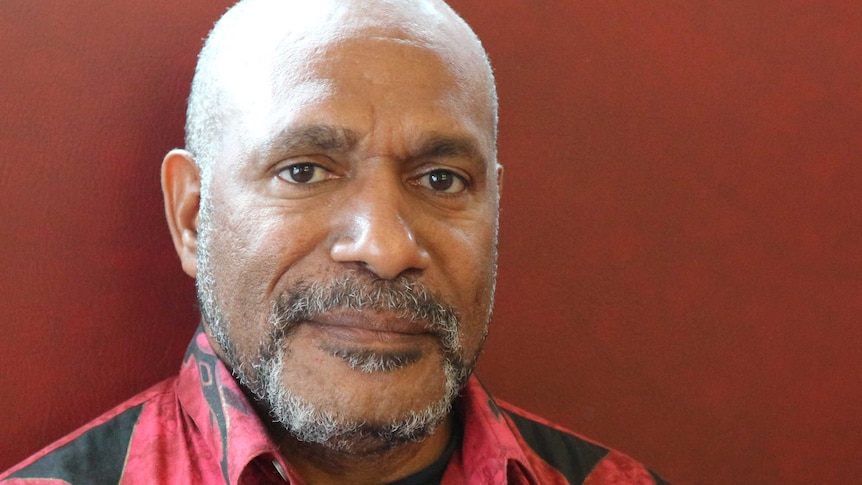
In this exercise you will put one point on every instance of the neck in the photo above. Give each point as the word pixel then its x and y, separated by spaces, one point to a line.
pixel 320 465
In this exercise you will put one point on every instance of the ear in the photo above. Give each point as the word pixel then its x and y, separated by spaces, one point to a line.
pixel 181 186
pixel 499 180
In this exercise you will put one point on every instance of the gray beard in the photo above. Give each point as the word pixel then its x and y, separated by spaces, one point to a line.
pixel 261 374
pixel 306 423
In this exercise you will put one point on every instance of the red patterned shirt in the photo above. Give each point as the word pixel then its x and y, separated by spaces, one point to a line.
pixel 199 428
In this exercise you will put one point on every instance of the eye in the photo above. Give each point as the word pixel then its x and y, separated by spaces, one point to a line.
pixel 303 173
pixel 443 181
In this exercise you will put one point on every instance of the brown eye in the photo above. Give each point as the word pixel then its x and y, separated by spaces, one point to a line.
pixel 443 181
pixel 302 173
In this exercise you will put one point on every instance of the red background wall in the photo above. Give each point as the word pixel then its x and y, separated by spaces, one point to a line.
pixel 681 242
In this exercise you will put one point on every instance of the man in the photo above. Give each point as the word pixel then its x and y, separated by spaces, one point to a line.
pixel 337 205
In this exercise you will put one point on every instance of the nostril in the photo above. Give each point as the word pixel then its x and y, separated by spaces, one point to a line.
pixel 386 249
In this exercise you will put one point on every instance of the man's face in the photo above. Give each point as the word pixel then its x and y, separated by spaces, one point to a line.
pixel 347 241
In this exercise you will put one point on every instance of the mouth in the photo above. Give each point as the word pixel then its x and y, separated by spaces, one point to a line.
pixel 370 326
pixel 371 341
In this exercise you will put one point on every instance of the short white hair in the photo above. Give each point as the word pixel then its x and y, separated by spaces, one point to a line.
pixel 259 24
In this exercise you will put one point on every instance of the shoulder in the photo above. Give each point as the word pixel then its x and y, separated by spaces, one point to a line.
pixel 577 458
pixel 94 453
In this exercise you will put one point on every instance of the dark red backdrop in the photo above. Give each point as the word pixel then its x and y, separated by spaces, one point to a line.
pixel 681 242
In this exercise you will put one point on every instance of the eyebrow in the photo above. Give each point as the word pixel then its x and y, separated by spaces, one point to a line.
pixel 336 138
pixel 320 137
pixel 445 146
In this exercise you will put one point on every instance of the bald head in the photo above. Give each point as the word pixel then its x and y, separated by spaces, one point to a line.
pixel 263 46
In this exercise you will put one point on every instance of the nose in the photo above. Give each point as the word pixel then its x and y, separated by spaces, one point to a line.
pixel 377 232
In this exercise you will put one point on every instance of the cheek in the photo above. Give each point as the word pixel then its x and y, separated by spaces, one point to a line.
pixel 267 241
pixel 252 252
pixel 468 261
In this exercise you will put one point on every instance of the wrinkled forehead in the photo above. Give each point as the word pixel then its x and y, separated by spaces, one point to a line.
pixel 262 42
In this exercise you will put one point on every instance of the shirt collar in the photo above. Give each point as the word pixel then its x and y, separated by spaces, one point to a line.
pixel 223 416
pixel 492 451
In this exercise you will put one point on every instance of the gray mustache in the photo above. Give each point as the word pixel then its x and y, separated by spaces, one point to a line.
pixel 402 297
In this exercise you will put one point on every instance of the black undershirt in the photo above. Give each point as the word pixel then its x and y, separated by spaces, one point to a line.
pixel 433 473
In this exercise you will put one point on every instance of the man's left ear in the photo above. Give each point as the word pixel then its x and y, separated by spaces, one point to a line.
pixel 181 186
pixel 499 180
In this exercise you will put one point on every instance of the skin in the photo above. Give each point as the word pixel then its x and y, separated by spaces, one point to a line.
pixel 399 110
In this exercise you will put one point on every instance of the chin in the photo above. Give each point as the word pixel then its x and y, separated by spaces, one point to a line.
pixel 369 412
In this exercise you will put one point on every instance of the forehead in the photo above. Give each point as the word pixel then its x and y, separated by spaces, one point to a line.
pixel 408 70
pixel 356 81
pixel 257 36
